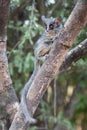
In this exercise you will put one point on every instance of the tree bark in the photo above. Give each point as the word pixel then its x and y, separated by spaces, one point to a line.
pixel 76 21
pixel 8 99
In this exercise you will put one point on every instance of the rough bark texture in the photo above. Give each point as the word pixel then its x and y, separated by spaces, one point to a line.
pixel 50 68
pixel 5 79
pixel 4 7
pixel 8 99
pixel 74 55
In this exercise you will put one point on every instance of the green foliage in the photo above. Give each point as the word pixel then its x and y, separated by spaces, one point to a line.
pixel 81 36
pixel 46 114
pixel 65 122
pixel 82 104
pixel 14 3
pixel 33 128
pixel 30 27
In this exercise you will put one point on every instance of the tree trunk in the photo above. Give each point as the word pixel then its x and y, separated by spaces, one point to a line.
pixel 8 99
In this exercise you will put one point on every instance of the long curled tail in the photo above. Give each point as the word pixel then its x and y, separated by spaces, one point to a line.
pixel 24 94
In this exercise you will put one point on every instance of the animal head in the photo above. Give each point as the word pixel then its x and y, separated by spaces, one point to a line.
pixel 52 23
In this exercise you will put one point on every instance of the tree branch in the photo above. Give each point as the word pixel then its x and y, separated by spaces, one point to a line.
pixel 50 68
pixel 75 54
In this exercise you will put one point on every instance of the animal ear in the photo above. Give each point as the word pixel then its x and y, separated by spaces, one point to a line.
pixel 43 18
pixel 58 20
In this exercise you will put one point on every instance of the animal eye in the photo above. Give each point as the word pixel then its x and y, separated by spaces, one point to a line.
pixel 51 26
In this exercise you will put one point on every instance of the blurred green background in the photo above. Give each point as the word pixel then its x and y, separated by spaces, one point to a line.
pixel 24 28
